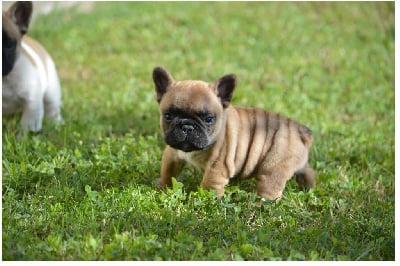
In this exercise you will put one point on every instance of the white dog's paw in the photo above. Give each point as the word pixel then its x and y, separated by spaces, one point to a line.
pixel 54 114
pixel 31 123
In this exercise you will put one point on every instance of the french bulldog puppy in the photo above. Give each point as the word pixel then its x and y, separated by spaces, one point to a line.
pixel 202 128
pixel 30 81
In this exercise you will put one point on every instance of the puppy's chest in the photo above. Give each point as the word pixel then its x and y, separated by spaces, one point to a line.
pixel 197 159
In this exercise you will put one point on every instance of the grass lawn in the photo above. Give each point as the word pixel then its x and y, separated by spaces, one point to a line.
pixel 85 190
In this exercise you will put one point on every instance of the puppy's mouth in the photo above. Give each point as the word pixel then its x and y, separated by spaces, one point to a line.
pixel 187 139
pixel 186 147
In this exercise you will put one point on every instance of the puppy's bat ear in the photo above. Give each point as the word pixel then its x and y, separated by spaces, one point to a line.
pixel 20 13
pixel 225 87
pixel 162 79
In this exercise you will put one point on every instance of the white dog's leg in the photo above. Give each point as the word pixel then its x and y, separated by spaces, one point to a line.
pixel 52 97
pixel 32 116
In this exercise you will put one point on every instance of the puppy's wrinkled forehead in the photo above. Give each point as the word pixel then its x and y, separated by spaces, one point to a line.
pixel 191 95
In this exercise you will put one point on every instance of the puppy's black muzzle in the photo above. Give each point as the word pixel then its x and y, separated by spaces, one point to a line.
pixel 186 135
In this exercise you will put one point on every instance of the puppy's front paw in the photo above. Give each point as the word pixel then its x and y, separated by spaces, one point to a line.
pixel 160 183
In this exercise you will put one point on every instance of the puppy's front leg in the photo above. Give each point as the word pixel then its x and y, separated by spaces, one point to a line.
pixel 171 166
pixel 32 116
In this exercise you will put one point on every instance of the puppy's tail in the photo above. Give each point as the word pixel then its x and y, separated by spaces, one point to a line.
pixel 305 178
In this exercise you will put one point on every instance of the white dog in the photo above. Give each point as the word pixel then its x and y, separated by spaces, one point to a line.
pixel 30 80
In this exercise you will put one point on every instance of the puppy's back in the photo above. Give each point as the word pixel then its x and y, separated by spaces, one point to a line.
pixel 262 138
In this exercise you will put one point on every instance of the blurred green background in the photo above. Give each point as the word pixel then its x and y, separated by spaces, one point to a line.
pixel 85 190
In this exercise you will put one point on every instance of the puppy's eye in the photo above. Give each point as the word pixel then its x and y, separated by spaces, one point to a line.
pixel 209 119
pixel 168 116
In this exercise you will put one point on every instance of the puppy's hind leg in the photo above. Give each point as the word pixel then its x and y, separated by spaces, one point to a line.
pixel 271 184
pixel 305 178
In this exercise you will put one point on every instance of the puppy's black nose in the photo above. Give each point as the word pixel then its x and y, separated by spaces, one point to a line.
pixel 187 129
